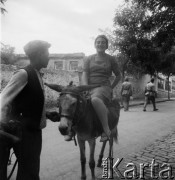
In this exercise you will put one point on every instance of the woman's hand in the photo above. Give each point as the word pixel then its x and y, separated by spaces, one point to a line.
pixel 115 82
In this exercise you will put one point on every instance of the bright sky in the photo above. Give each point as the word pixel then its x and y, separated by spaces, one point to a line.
pixel 69 25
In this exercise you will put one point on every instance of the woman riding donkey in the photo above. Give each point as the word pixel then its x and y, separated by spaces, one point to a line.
pixel 97 70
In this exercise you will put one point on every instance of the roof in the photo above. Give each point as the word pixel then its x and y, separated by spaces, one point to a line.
pixel 60 56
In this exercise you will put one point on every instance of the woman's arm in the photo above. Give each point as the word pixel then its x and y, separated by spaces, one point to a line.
pixel 84 78
pixel 121 90
pixel 116 80
pixel 115 70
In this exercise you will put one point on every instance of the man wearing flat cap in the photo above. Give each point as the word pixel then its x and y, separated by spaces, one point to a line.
pixel 24 98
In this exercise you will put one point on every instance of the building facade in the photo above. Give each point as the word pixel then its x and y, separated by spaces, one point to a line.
pixel 67 62
pixel 161 85
pixel 73 62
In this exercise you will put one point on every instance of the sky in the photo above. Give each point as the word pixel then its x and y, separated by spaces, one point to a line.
pixel 70 26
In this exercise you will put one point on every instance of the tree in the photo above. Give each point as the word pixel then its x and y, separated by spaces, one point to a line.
pixel 161 25
pixel 160 22
pixel 133 41
pixel 122 62
pixel 8 55
pixel 3 10
pixel 168 66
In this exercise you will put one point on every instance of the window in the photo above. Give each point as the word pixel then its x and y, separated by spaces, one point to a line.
pixel 161 83
pixel 73 65
pixel 58 65
pixel 173 84
pixel 166 85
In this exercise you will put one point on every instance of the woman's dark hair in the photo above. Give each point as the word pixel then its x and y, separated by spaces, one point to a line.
pixel 104 37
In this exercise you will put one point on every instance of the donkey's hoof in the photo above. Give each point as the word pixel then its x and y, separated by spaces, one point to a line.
pixel 83 177
pixel 93 178
pixel 99 165
pixel 96 178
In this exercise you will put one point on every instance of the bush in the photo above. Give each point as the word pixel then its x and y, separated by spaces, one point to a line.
pixel 51 76
pixel 8 55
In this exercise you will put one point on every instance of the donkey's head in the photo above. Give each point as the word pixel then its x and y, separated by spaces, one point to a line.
pixel 69 105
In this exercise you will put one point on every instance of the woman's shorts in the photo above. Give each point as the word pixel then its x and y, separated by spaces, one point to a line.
pixel 102 92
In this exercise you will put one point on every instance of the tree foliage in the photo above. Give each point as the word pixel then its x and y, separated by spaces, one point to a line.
pixel 161 25
pixel 133 41
pixel 168 64
pixel 8 55
pixel 3 10
pixel 161 22
pixel 145 32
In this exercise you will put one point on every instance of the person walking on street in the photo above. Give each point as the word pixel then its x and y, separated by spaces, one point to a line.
pixel 150 95
pixel 126 93
pixel 24 98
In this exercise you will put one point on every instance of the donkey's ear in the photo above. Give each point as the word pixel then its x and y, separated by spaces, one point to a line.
pixel 55 87
pixel 86 87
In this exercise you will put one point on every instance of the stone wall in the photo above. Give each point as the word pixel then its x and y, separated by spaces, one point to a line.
pixel 50 76
pixel 64 77
pixel 164 94
pixel 57 77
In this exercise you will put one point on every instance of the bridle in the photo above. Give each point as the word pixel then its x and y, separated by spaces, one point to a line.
pixel 77 115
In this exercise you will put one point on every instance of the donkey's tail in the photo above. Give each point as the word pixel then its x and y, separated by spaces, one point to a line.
pixel 115 134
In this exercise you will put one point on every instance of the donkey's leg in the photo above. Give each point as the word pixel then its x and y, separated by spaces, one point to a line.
pixel 101 154
pixel 92 143
pixel 110 157
pixel 82 158
pixel 111 147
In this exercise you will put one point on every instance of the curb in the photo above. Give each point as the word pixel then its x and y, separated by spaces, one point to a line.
pixel 142 103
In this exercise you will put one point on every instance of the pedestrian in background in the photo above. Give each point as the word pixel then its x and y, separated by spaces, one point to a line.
pixel 150 95
pixel 24 98
pixel 126 93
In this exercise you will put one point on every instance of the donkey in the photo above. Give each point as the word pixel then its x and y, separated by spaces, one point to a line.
pixel 77 113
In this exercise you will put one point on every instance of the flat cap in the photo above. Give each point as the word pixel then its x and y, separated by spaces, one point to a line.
pixel 33 47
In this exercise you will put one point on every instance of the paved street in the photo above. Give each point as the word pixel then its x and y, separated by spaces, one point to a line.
pixel 156 157
pixel 137 131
